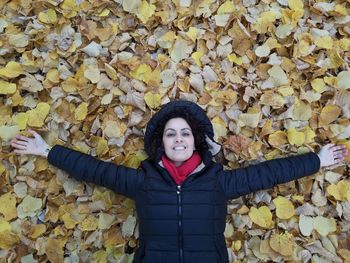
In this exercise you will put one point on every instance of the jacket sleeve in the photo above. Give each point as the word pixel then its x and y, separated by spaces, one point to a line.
pixel 267 174
pixel 84 167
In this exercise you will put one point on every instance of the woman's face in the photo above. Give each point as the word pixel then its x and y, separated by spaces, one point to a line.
pixel 178 140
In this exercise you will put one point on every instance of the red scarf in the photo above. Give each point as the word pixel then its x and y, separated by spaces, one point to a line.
pixel 180 173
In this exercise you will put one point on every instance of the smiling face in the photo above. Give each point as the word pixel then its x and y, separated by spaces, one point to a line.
pixel 178 140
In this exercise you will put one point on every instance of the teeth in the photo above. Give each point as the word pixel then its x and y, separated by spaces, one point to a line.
pixel 179 148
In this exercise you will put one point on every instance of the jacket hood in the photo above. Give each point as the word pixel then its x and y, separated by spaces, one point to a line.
pixel 177 108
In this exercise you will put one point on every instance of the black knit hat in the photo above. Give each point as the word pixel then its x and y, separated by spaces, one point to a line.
pixel 177 108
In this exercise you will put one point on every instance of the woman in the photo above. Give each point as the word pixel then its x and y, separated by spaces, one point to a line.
pixel 179 192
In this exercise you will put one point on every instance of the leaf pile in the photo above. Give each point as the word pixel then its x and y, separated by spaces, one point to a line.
pixel 273 76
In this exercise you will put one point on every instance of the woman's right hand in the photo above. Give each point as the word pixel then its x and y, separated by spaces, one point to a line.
pixel 35 145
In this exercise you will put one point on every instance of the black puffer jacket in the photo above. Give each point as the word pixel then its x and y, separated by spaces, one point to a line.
pixel 182 224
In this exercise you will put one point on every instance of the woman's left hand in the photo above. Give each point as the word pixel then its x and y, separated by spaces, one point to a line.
pixel 331 154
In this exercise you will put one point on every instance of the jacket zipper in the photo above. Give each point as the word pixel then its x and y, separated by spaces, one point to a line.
pixel 178 192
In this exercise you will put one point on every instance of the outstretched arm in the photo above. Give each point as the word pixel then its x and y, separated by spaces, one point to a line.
pixel 81 166
pixel 270 173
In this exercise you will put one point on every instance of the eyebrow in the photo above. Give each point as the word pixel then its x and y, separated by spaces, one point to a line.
pixel 175 130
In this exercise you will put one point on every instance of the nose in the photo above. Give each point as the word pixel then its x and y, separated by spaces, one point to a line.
pixel 178 138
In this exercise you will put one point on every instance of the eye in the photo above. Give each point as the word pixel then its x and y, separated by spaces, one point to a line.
pixel 170 134
pixel 186 134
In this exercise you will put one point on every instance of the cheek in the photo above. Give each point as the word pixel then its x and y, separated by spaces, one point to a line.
pixel 191 143
pixel 166 143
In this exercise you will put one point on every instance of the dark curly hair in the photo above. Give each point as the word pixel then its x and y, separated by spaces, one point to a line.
pixel 198 130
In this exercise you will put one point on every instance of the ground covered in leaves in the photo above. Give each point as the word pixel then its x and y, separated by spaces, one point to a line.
pixel 273 76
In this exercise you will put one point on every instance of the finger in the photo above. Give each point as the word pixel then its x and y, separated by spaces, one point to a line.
pixel 23 138
pixel 338 147
pixel 19 145
pixel 342 152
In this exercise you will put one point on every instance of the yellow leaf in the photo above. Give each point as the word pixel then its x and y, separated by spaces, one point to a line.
pixel 37 116
pixel 341 10
pixel 261 216
pixel 295 4
pixel 264 21
pixel 100 256
pixel 8 206
pixel 102 147
pixel 286 91
pixel 8 240
pixel 133 160
pixel 54 250
pixel 19 40
pixel 89 224
pixel 8 132
pixel 153 100
pixel 295 137
pixel 48 17
pixel 92 74
pixel 37 231
pixel 220 128
pixel 227 7
pixel 278 138
pixel 196 57
pixel 284 207
pixel 192 33
pixel 153 78
pixel 53 76
pixel 20 120
pixel 167 39
pixel 70 85
pixel 282 243
pixel 324 42
pixel 328 114
pixel 145 11
pixel 250 119
pixel 141 72
pixel 227 96
pixel 105 220
pixel 277 76
pixel 11 70
pixel 105 12
pixel 318 85
pixel 81 111
pixel 340 191
pixel 324 225
pixel 2 168
pixel 302 111
pixel 69 221
pixel 4 225
pixel 309 134
pixel 233 58
pixel 111 72
pixel 41 164
pixel 114 129
pixel 7 87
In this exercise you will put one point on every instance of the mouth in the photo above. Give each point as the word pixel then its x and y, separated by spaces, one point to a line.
pixel 179 148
